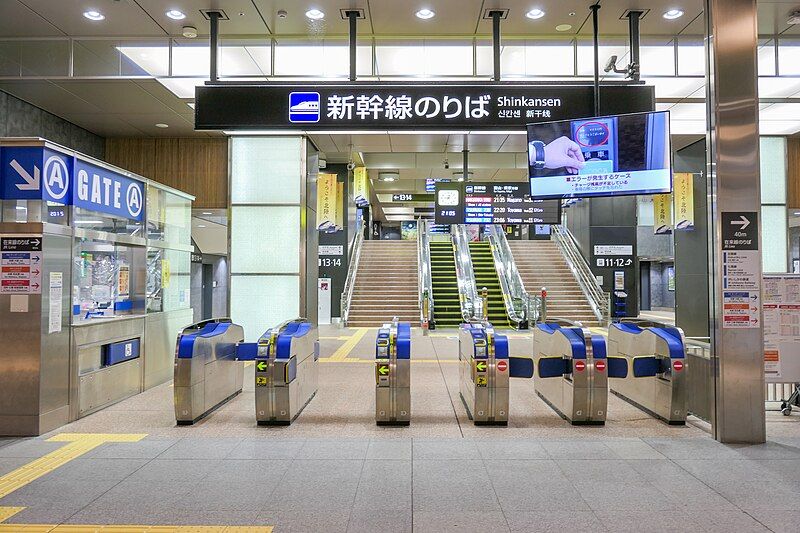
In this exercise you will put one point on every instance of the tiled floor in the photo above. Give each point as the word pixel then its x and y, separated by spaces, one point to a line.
pixel 334 470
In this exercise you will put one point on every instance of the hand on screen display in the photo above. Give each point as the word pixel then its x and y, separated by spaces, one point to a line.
pixel 564 152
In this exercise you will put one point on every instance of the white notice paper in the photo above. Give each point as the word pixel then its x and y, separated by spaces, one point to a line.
pixel 56 293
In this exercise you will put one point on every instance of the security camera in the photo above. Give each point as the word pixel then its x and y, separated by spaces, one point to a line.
pixel 611 64
pixel 351 165
pixel 446 164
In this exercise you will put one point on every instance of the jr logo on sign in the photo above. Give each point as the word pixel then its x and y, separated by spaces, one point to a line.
pixel 304 107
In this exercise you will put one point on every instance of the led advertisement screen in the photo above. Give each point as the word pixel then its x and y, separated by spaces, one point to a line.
pixel 602 156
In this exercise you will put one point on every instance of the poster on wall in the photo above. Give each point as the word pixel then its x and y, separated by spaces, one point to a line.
pixel 671 278
pixel 360 186
pixel 327 190
pixel 781 297
pixel 683 185
pixel 662 212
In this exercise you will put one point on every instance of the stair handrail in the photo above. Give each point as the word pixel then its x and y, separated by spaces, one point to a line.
pixel 352 267
pixel 515 297
pixel 471 302
pixel 598 300
pixel 425 285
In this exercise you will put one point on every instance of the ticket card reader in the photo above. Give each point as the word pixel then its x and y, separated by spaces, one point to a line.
pixel 483 373
pixel 286 371
pixel 206 372
pixel 571 372
pixel 654 360
pixel 597 138
pixel 393 375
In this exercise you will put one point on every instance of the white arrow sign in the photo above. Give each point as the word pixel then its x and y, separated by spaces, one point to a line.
pixel 31 182
pixel 744 222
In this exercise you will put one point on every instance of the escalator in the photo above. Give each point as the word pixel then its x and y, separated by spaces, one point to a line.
pixel 486 276
pixel 447 306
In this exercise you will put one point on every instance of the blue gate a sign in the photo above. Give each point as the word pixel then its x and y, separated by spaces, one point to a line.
pixel 99 189
pixel 36 173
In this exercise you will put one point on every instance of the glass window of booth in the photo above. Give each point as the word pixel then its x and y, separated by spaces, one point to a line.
pixel 168 279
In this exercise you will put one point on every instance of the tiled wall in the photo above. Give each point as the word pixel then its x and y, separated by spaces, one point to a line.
pixel 21 119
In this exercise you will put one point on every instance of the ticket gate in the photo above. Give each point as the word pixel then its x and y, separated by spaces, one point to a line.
pixel 571 375
pixel 483 373
pixel 286 371
pixel 206 373
pixel 393 375
pixel 654 369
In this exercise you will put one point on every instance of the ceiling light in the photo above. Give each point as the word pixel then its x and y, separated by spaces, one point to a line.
pixel 315 14
pixel 535 14
pixel 93 15
pixel 425 14
pixel 174 14
pixel 201 225
pixel 564 27
pixel 162 125
pixel 673 14
pixel 207 213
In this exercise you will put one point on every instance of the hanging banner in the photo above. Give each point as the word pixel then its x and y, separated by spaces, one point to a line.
pixel 662 208
pixel 360 186
pixel 339 205
pixel 326 202
pixel 683 187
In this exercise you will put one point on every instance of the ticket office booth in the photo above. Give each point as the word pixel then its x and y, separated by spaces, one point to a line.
pixel 93 287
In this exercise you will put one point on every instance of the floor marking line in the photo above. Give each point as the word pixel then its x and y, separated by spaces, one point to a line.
pixel 129 528
pixel 344 350
pixel 77 444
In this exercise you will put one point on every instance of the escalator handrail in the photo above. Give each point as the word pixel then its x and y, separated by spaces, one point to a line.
pixel 425 276
pixel 509 277
pixel 352 267
pixel 471 303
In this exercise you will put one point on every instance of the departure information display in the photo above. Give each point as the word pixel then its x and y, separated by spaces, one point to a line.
pixel 507 203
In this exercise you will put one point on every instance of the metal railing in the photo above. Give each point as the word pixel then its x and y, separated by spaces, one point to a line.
pixel 598 300
pixel 352 267
pixel 471 302
pixel 515 297
pixel 425 287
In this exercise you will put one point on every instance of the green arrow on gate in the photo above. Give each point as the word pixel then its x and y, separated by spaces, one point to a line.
pixel 480 366
pixel 261 366
pixel 383 369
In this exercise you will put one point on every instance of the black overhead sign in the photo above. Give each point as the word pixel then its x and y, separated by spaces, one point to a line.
pixel 419 106
pixel 740 230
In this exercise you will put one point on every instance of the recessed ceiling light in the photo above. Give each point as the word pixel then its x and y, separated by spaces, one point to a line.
pixel 315 14
pixel 174 14
pixel 201 225
pixel 93 15
pixel 207 213
pixel 564 27
pixel 535 14
pixel 673 14
pixel 162 125
pixel 425 14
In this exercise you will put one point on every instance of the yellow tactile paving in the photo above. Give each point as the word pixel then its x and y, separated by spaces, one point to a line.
pixel 131 528
pixel 78 444
pixel 8 512
pixel 344 350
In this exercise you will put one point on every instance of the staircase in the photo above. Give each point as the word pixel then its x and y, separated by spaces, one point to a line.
pixel 446 303
pixel 541 264
pixel 385 285
pixel 486 276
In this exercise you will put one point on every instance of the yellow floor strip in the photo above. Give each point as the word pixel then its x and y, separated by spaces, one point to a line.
pixel 92 528
pixel 78 444
pixel 345 349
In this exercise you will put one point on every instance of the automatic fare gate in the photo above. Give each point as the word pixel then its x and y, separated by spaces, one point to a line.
pixel 393 375
pixel 483 373
pixel 286 371
pixel 653 373
pixel 208 369
pixel 571 372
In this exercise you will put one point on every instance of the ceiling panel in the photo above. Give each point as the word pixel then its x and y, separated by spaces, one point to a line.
pixel 178 125
pixel 16 20
pixel 49 96
pixel 298 24
pixel 116 96
pixel 452 17
pixel 104 125
pixel 244 17
pixel 772 16
pixel 419 142
pixel 122 18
